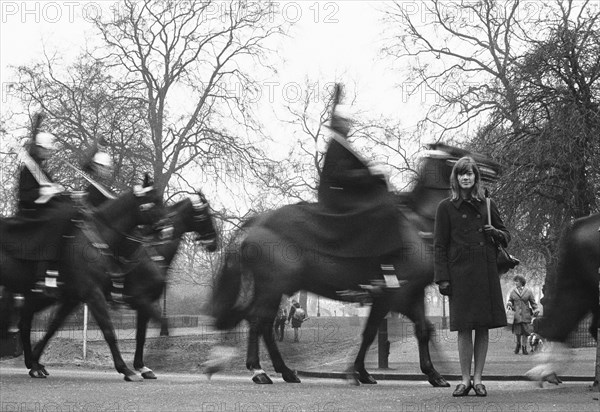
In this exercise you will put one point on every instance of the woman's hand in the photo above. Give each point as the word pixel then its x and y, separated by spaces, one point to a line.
pixel 492 231
pixel 444 288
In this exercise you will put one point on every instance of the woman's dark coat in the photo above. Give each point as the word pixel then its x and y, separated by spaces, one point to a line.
pixel 466 257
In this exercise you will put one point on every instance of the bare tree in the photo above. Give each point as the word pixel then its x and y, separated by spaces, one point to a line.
pixel 464 53
pixel 525 77
pixel 183 59
pixel 381 141
pixel 84 105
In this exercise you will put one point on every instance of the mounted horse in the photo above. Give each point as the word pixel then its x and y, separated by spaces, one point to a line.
pixel 282 252
pixel 143 284
pixel 84 265
pixel 570 295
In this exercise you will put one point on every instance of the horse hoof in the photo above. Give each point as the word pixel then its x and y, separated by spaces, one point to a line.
pixel 438 381
pixel 262 379
pixel 209 371
pixel 290 377
pixel 37 373
pixel 133 378
pixel 552 378
pixel 352 377
pixel 148 375
pixel 367 379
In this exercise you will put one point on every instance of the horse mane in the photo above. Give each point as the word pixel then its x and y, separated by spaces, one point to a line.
pixel 110 209
pixel 179 207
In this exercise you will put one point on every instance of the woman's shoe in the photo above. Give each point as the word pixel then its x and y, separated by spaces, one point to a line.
pixel 462 389
pixel 525 351
pixel 480 389
pixel 517 349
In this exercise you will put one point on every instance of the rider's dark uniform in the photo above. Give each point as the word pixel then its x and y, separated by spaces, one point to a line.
pixel 355 217
pixel 349 188
pixel 94 197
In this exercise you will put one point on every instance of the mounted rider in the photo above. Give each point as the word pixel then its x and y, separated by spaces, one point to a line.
pixel 43 215
pixel 348 187
pixel 99 167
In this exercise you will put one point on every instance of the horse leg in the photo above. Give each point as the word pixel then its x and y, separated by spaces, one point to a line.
pixel 140 341
pixel 287 374
pixel 36 369
pixel 97 305
pixel 423 329
pixel 25 323
pixel 380 308
pixel 252 358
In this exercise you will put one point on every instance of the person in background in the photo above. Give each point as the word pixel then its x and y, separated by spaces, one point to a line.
pixel 297 317
pixel 522 302
pixel 466 270
pixel 280 321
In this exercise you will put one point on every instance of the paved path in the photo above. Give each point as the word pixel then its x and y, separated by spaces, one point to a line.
pixel 501 363
pixel 79 390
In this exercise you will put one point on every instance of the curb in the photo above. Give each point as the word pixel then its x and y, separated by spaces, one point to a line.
pixel 422 377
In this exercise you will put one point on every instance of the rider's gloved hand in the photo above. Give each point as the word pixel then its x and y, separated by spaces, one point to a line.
pixel 51 190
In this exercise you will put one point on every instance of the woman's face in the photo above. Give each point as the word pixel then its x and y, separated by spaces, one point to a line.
pixel 466 181
pixel 518 283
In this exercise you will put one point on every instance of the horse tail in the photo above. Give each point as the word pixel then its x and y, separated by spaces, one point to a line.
pixel 226 307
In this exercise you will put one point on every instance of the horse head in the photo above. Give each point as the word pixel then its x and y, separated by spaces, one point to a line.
pixel 433 181
pixel 149 203
pixel 204 224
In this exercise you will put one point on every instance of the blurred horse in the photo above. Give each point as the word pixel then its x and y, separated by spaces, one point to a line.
pixel 572 293
pixel 84 267
pixel 262 264
pixel 143 283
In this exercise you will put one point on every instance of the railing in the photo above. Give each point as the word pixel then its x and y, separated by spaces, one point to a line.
pixel 120 321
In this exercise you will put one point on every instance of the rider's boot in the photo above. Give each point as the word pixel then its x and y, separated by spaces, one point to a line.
pixel 46 278
pixel 118 287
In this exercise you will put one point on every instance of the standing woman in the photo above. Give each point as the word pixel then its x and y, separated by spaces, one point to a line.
pixel 466 271
pixel 521 300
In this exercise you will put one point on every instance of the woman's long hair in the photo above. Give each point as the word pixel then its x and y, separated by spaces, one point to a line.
pixel 462 166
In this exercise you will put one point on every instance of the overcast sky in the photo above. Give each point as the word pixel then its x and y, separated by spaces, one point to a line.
pixel 328 40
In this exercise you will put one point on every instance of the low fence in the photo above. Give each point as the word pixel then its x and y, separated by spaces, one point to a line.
pixel 120 321
pixel 397 326
pixel 581 337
